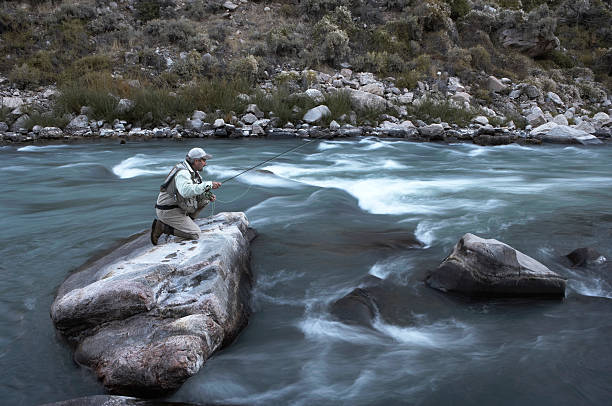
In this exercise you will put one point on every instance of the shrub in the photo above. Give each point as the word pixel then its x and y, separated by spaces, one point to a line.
pixel 318 8
pixel 458 8
pixel 246 68
pixel 481 59
pixel 86 65
pixel 45 119
pixel 25 76
pixel 339 103
pixel 282 41
pixel 190 66
pixel 277 102
pixel 460 61
pixel 330 41
pixel 177 32
pixel 429 110
pixel 215 93
pixel 147 10
pixel 68 12
pixel 381 63
pixel 408 79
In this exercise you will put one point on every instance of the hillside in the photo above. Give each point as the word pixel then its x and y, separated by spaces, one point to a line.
pixel 167 58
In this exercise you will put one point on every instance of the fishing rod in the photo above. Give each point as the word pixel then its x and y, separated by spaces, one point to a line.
pixel 274 157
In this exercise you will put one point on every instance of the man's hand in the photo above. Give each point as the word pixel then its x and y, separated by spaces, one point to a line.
pixel 216 185
pixel 212 197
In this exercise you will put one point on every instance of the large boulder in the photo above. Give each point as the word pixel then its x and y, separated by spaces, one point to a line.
pixel 490 268
pixel 316 114
pixel 145 318
pixel 361 100
pixel 78 126
pixel 585 256
pixel 553 132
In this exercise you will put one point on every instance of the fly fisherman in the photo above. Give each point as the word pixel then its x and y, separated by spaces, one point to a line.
pixel 181 198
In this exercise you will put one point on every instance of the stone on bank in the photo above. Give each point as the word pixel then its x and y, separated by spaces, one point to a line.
pixel 145 318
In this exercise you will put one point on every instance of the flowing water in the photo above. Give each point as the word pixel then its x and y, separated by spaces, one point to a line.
pixel 328 215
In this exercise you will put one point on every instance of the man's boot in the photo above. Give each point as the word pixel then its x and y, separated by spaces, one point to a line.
pixel 157 229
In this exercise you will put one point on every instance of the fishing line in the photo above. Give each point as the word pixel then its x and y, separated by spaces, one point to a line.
pixel 212 206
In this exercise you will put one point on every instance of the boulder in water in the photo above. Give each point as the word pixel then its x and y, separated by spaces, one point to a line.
pixel 145 318
pixel 490 268
pixel 585 256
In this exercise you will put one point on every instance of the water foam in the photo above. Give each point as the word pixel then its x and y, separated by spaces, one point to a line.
pixel 138 166
pixel 35 148
pixel 438 335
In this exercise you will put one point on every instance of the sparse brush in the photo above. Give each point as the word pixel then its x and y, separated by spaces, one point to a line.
pixel 339 103
pixel 429 110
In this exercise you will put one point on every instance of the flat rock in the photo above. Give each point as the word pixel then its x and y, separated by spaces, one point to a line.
pixel 488 267
pixel 361 100
pixel 553 132
pixel 145 318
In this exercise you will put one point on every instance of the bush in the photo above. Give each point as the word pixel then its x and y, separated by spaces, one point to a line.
pixel 215 93
pixel 429 110
pixel 458 8
pixel 45 119
pixel 277 102
pixel 68 12
pixel 86 65
pixel 190 66
pixel 331 43
pixel 147 10
pixel 481 59
pixel 282 41
pixel 408 79
pixel 339 103
pixel 317 8
pixel 177 32
pixel 25 76
pixel 246 68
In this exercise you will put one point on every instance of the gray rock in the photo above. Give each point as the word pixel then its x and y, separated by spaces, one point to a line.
pixel 553 132
pixel 488 267
pixel 482 120
pixel 230 6
pixel 515 94
pixel 363 100
pixel 376 88
pixel 194 124
pixel 315 95
pixel 3 127
pixel 432 130
pixel 219 123
pixel 257 130
pixel 532 92
pixel 252 108
pixel 461 97
pixel 535 119
pixel 454 85
pixel 249 118
pixel 346 73
pixel 11 102
pixel 406 98
pixel 131 58
pixel 198 115
pixel 601 116
pixel 586 256
pixel 560 119
pixel 124 106
pixel 145 318
pixel 316 114
pixel 533 35
pixel 555 98
pixel 495 85
pixel 51 132
pixel 586 127
pixel 334 126
pixel 365 78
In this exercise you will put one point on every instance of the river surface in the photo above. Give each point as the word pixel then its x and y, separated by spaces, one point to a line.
pixel 328 215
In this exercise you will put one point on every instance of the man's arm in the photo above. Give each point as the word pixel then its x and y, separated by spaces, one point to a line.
pixel 187 188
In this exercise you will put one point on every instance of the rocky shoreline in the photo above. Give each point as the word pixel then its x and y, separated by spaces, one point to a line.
pixel 545 116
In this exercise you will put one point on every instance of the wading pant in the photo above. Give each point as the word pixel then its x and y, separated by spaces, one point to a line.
pixel 183 225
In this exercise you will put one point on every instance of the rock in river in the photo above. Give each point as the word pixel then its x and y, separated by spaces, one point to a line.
pixel 487 267
pixel 145 318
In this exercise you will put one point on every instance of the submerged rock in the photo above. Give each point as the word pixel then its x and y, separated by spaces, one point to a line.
pixel 487 267
pixel 145 318
pixel 585 256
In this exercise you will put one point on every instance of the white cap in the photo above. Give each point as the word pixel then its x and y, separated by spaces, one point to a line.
pixel 198 153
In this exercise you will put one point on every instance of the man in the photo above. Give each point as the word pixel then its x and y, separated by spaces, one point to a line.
pixel 181 198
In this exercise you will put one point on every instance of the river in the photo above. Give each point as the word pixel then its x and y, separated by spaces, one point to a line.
pixel 327 216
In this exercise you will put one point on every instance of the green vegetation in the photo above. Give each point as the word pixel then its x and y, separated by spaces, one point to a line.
pixel 430 110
